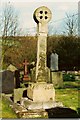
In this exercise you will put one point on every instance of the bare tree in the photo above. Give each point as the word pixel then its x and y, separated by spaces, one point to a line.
pixel 10 29
pixel 70 25
pixel 9 21
pixel 52 30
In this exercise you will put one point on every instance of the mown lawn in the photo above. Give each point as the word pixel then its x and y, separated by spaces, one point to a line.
pixel 68 95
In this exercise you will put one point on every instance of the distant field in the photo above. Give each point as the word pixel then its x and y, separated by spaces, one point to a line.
pixel 68 96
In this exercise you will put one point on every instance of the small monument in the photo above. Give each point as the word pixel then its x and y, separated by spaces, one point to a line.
pixel 26 77
pixel 8 83
pixel 40 95
pixel 54 61
pixel 17 79
pixel 41 92
pixel 56 76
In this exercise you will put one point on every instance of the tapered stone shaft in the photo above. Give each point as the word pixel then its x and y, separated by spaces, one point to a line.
pixel 42 16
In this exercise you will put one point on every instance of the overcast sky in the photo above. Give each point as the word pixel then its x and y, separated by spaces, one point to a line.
pixel 25 9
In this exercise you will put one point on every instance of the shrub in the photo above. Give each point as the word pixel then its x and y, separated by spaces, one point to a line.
pixel 69 77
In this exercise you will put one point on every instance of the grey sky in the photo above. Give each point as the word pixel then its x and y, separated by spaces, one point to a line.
pixel 26 8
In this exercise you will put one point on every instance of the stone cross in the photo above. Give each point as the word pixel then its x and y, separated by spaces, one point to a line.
pixel 25 70
pixel 42 16
pixel 42 92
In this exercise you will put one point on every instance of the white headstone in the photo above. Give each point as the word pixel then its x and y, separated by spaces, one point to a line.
pixel 54 62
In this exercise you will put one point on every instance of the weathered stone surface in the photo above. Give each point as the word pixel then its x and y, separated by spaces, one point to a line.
pixel 18 94
pixel 41 71
pixel 33 77
pixel 57 79
pixel 33 74
pixel 42 16
pixel 41 92
pixel 18 108
pixel 54 61
pixel 7 81
pixel 33 114
pixel 31 105
pixel 11 68
pixel 23 112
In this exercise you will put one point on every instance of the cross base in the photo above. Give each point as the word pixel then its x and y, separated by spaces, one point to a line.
pixel 26 77
pixel 41 92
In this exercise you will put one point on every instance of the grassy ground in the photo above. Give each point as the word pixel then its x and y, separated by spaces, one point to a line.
pixel 7 111
pixel 0 108
pixel 67 95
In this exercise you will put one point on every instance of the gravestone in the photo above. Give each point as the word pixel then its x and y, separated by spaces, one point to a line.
pixel 18 92
pixel 11 68
pixel 54 61
pixel 57 79
pixel 17 79
pixel 56 76
pixel 7 81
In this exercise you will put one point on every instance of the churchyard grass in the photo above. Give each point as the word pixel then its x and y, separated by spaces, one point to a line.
pixel 0 107
pixel 69 94
pixel 7 112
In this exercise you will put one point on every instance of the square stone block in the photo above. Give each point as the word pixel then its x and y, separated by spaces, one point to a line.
pixel 18 94
pixel 41 92
pixel 57 79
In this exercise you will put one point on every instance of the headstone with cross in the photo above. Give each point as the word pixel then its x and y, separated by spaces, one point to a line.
pixel 26 77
